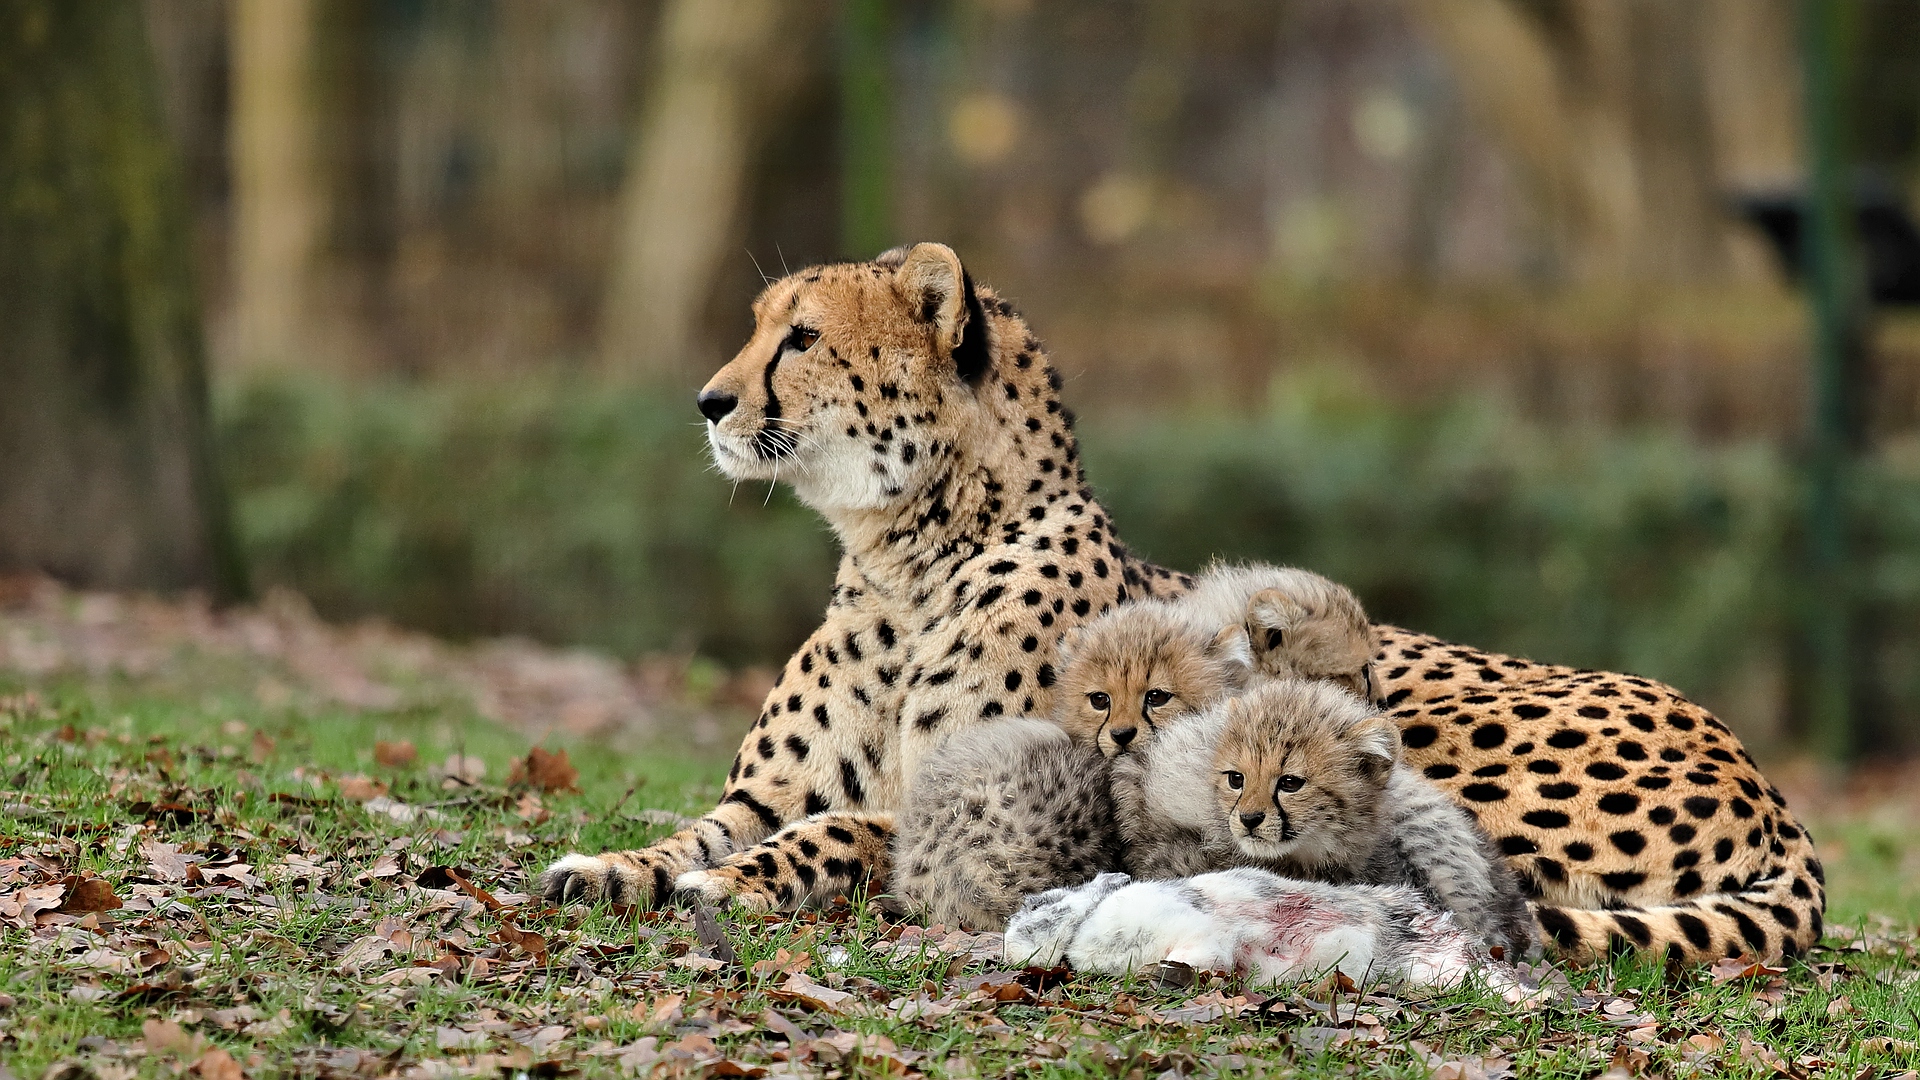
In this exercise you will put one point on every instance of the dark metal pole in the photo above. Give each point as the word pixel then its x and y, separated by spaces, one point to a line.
pixel 1834 288
pixel 866 212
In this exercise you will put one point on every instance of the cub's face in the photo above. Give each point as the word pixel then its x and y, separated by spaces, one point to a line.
pixel 1300 768
pixel 1138 668
pixel 854 385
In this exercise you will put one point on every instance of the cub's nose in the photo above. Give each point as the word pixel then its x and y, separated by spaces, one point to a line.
pixel 1122 735
pixel 715 404
pixel 1251 819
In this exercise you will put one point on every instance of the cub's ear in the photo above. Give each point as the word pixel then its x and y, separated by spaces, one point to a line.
pixel 1231 646
pixel 1377 739
pixel 1272 617
pixel 1070 645
pixel 939 292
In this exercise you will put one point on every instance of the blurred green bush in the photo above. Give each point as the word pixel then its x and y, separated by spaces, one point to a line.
pixel 579 513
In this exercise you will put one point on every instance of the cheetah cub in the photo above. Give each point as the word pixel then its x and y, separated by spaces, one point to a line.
pixel 1017 806
pixel 1289 624
pixel 1305 780
pixel 1012 807
pixel 1142 666
pixel 1000 810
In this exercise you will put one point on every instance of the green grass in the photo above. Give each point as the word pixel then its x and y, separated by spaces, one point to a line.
pixel 89 773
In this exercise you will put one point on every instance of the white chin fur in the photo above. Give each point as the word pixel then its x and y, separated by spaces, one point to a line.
pixel 838 474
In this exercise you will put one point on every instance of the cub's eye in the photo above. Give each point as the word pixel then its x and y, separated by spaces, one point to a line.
pixel 1157 698
pixel 1099 701
pixel 1291 783
pixel 801 338
pixel 1235 780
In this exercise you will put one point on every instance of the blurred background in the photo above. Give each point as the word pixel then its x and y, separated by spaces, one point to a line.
pixel 401 305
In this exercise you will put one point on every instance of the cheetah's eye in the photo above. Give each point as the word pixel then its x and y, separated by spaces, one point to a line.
pixel 1157 698
pixel 1235 780
pixel 800 339
pixel 1291 783
pixel 1099 701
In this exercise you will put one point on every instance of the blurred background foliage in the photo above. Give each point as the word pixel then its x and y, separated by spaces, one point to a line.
pixel 1443 298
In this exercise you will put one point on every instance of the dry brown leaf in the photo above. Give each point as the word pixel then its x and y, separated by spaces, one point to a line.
pixel 1736 967
pixel 782 962
pixel 89 894
pixel 217 1064
pixel 811 994
pixel 442 877
pixel 395 755
pixel 546 770
pixel 262 748
pixel 361 789
pixel 167 862
pixel 167 1037
pixel 525 940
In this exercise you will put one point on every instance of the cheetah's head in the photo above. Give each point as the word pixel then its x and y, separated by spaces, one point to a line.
pixel 1313 629
pixel 1300 771
pixel 1140 667
pixel 859 379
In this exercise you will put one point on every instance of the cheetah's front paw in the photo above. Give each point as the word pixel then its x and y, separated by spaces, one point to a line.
pixel 587 879
pixel 726 887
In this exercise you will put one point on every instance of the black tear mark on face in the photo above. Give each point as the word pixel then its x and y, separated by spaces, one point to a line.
pixel 765 442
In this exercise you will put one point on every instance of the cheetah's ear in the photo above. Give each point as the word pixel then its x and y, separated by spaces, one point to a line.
pixel 1230 645
pixel 1272 616
pixel 939 292
pixel 1070 645
pixel 1377 739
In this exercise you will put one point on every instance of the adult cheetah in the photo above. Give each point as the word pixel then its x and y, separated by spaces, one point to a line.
pixel 915 411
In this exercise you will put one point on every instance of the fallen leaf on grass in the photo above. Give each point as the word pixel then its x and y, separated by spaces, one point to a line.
pixel 167 862
pixel 1702 1048
pixel 811 994
pixel 782 962
pixel 387 806
pixel 442 877
pixel 451 1038
pixel 167 1037
pixel 88 894
pixel 1733 968
pixel 361 789
pixel 395 755
pixel 217 1064
pixel 463 769
pixel 546 770
pixel 525 940
pixel 238 873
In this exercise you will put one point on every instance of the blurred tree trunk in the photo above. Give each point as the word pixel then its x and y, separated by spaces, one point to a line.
pixel 106 464
pixel 275 200
pixel 1604 107
pixel 687 175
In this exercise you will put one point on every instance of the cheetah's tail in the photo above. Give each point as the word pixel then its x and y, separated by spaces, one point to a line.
pixel 1777 914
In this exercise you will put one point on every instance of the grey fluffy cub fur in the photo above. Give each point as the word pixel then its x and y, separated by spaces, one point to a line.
pixel 1304 780
pixel 1001 810
pixel 1006 807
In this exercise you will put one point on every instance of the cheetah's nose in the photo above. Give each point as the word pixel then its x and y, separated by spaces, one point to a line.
pixel 1122 735
pixel 715 404
pixel 1251 819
